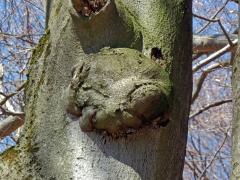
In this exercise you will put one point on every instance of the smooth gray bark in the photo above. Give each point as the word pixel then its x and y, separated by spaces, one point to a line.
pixel 53 146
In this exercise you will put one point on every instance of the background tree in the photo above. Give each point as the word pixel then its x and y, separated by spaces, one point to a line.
pixel 209 141
pixel 236 119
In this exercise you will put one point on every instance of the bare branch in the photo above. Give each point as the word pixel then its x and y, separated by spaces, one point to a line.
pixel 213 17
pixel 208 44
pixel 199 85
pixel 20 37
pixel 10 113
pixel 7 97
pixel 220 24
pixel 204 75
pixel 215 155
pixel 36 6
pixel 214 56
pixel 192 167
pixel 9 125
pixel 210 106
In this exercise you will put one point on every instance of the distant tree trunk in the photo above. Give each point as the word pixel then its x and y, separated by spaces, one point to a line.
pixel 53 146
pixel 236 116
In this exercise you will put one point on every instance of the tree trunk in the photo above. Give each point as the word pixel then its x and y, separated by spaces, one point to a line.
pixel 236 117
pixel 100 46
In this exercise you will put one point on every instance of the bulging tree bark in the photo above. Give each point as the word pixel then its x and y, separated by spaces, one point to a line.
pixel 108 93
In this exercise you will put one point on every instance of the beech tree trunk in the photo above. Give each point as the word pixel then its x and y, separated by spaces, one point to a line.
pixel 53 146
pixel 236 116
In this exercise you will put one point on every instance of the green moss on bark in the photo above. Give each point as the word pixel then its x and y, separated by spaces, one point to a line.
pixel 11 156
pixel 36 77
pixel 38 50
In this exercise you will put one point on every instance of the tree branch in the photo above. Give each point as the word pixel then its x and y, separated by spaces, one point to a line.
pixel 209 44
pixel 215 155
pixel 220 24
pixel 214 56
pixel 10 113
pixel 10 124
pixel 204 75
pixel 210 106
pixel 213 17
pixel 7 97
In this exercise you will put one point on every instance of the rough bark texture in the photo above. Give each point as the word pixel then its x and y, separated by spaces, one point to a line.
pixel 53 146
pixel 236 118
pixel 118 89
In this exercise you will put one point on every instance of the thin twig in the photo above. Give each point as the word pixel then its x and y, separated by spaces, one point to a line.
pixel 215 155
pixel 213 17
pixel 7 97
pixel 214 56
pixel 193 169
pixel 210 106
pixel 220 24
pixel 204 76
